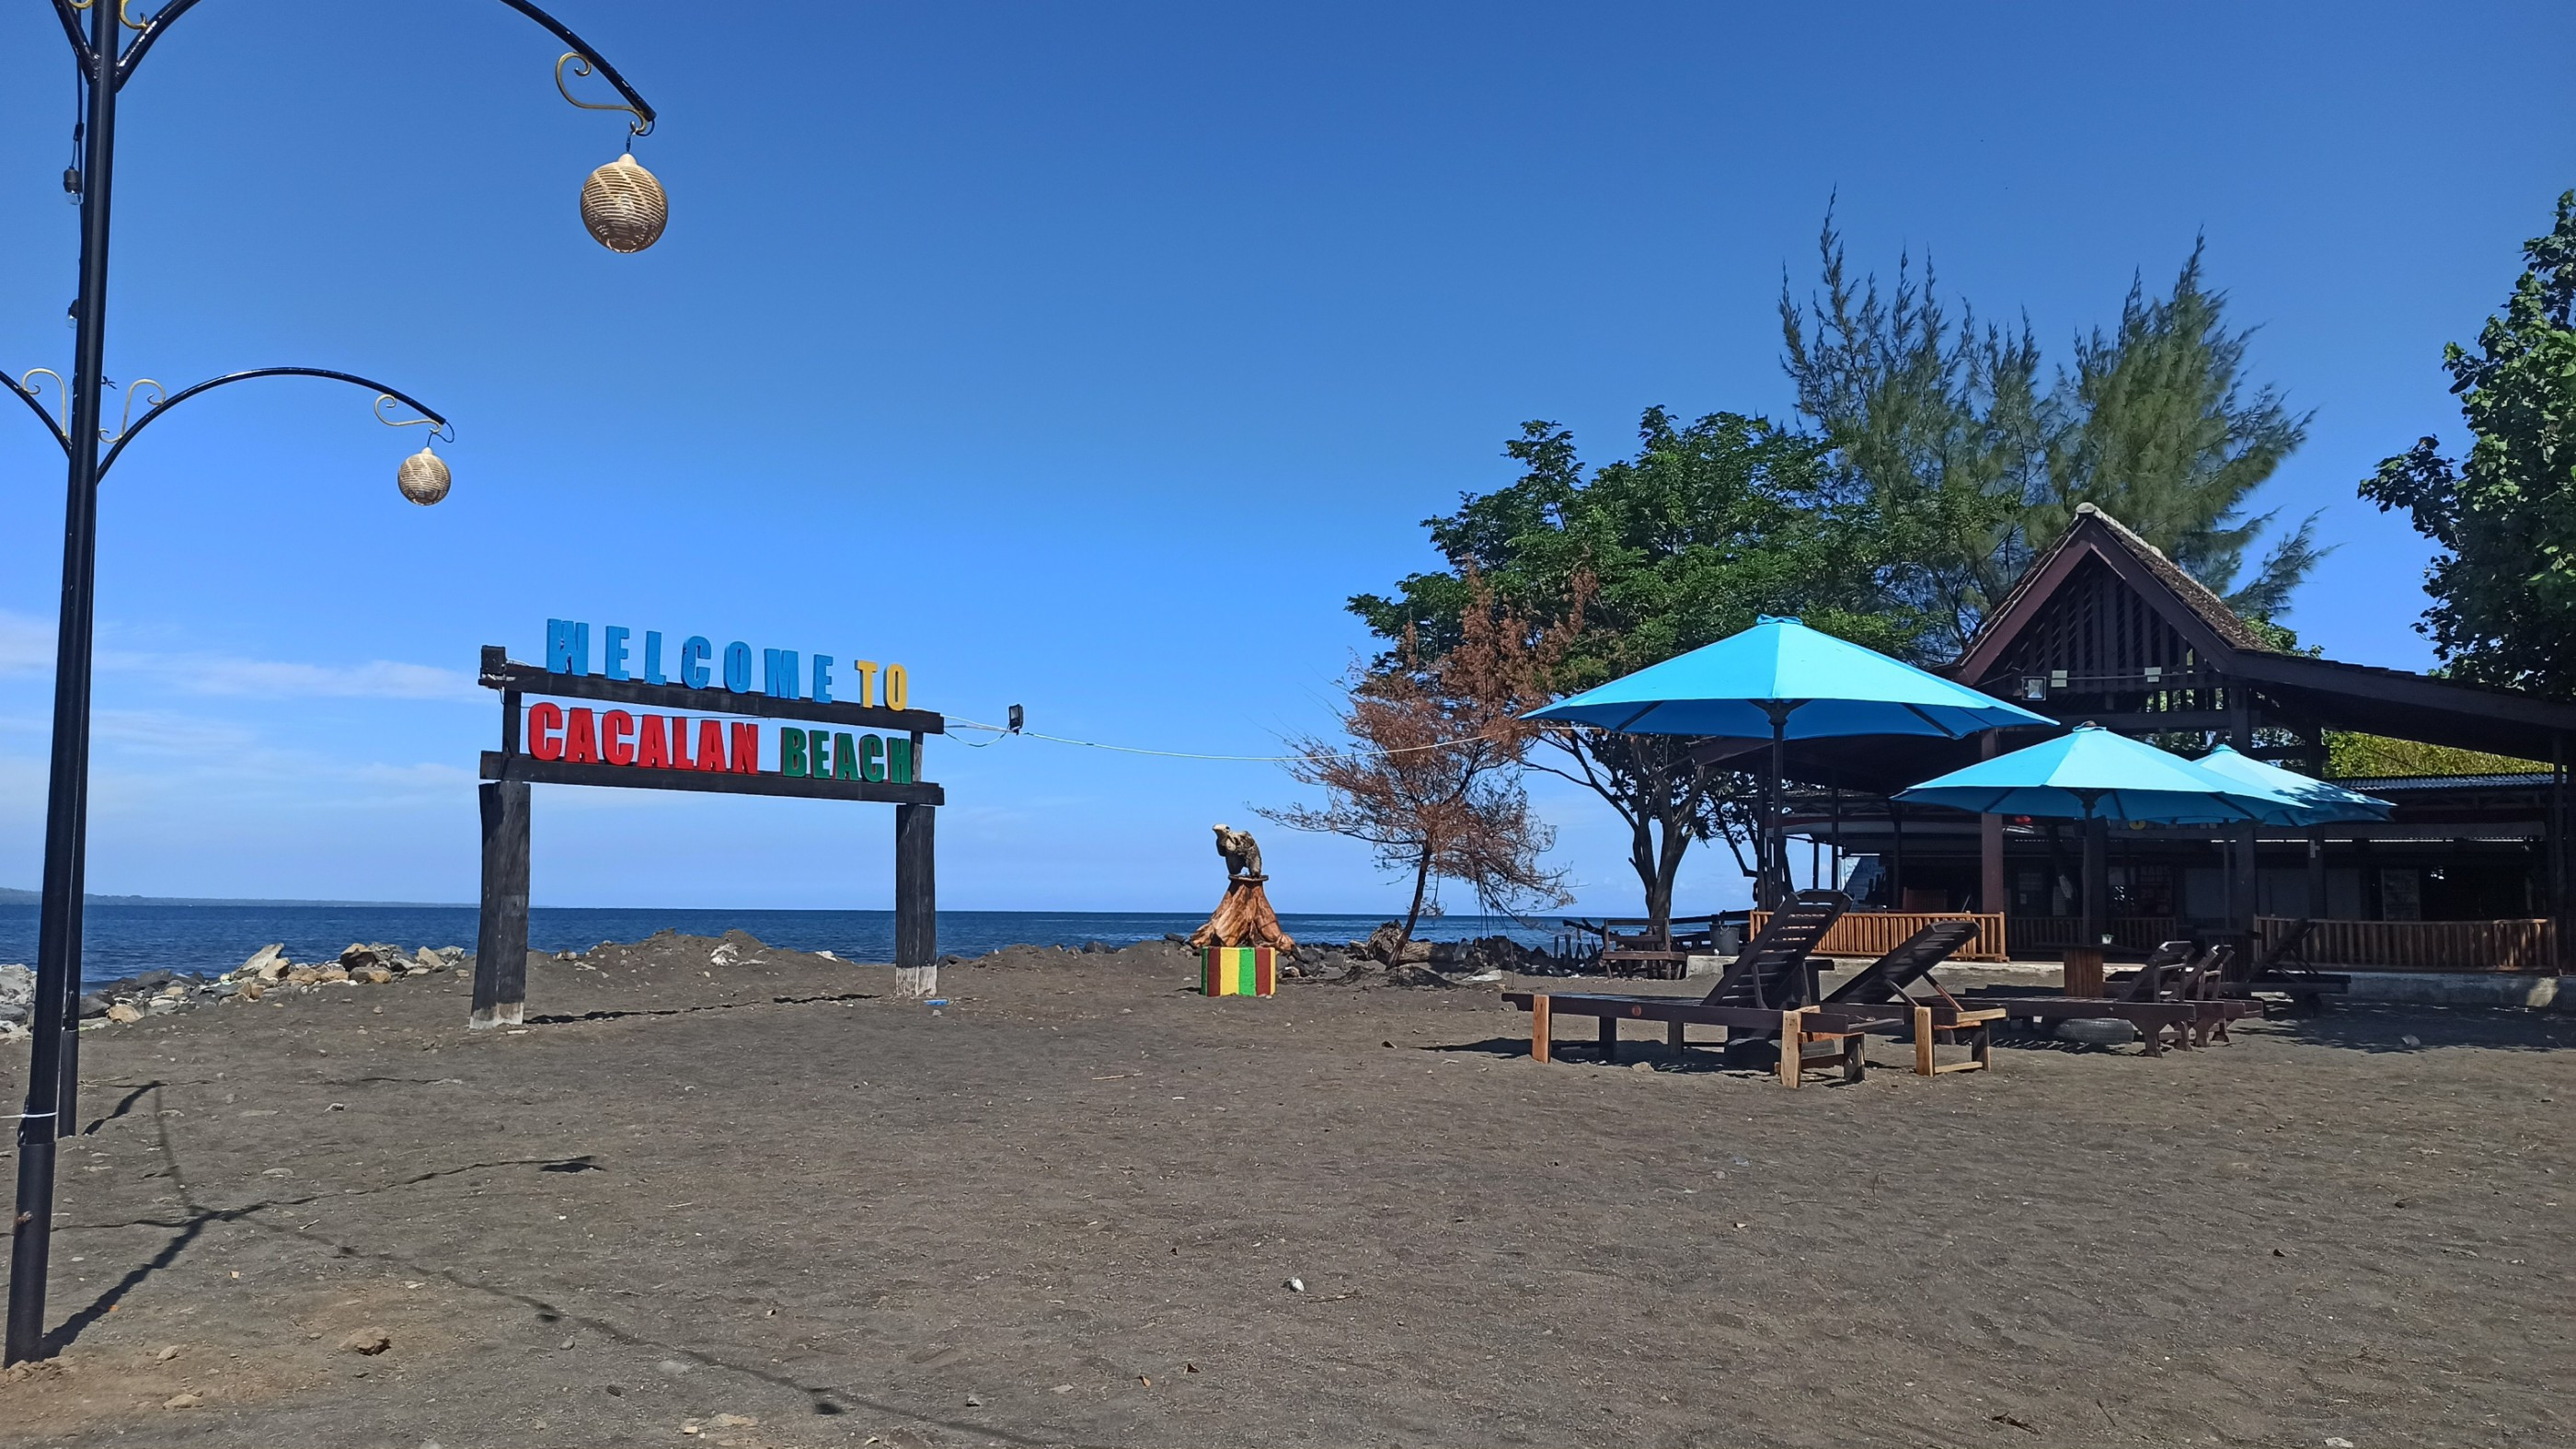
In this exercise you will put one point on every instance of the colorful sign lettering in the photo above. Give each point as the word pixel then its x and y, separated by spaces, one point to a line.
pixel 579 735
pixel 783 673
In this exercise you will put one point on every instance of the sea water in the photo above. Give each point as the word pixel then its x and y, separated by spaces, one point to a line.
pixel 121 940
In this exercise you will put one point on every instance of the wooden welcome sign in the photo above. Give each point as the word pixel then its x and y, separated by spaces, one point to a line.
pixel 856 738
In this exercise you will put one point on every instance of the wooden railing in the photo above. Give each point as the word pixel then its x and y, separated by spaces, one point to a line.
pixel 2044 935
pixel 2514 945
pixel 1875 933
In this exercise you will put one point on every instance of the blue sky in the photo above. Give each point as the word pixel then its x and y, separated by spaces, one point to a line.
pixel 1087 357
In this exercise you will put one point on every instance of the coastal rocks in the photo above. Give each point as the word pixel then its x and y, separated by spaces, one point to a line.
pixel 267 963
pixel 1485 953
pixel 17 992
pixel 1381 947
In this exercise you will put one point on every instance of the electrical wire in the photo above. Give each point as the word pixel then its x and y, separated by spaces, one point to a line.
pixel 1192 755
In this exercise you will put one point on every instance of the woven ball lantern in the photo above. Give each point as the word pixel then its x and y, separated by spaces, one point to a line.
pixel 423 477
pixel 623 206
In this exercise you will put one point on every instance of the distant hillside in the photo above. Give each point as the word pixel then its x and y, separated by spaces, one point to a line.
pixel 11 896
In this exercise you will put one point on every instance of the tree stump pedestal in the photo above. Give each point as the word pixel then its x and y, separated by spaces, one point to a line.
pixel 1244 918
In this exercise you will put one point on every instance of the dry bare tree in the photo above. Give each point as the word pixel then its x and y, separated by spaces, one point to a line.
pixel 1430 777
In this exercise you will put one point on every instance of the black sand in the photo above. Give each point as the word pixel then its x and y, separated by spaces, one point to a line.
pixel 1063 1211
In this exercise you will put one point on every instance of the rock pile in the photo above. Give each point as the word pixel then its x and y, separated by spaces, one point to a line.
pixel 17 997
pixel 362 964
pixel 160 993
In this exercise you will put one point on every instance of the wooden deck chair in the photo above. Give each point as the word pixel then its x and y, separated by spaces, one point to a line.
pixel 1936 1019
pixel 2173 991
pixel 1886 979
pixel 1772 972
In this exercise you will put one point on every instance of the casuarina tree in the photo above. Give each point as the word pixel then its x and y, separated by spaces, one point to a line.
pixel 2503 518
pixel 1946 425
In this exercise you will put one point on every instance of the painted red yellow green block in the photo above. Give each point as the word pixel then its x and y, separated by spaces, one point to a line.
pixel 1238 970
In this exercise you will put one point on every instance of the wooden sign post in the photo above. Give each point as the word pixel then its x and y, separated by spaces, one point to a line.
pixel 692 736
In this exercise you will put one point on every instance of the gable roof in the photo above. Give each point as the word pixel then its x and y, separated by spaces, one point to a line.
pixel 2360 697
pixel 2186 602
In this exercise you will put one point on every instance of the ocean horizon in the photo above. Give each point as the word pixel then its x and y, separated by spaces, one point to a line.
pixel 121 938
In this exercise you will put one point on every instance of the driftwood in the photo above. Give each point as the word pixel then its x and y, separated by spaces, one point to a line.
pixel 1243 918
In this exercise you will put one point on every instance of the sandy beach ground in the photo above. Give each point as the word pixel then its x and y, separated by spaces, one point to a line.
pixel 769 1204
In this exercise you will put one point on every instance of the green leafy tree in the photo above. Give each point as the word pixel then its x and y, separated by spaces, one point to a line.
pixel 1709 526
pixel 1945 425
pixel 2503 519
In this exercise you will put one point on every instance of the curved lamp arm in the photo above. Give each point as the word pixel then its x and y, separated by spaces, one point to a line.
pixel 185 393
pixel 70 15
pixel 29 399
pixel 175 8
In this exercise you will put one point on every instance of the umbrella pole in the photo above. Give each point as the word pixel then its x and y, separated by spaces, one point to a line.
pixel 1775 842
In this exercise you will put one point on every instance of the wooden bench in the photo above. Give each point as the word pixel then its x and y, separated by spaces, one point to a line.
pixel 1632 946
pixel 2171 991
pixel 1768 996
pixel 1841 1030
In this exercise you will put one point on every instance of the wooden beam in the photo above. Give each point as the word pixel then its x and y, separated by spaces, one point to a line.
pixel 916 897
pixel 1539 1027
pixel 501 936
pixel 531 770
pixel 505 674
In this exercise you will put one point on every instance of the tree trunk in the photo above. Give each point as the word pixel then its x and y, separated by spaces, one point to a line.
pixel 1649 865
pixel 1421 879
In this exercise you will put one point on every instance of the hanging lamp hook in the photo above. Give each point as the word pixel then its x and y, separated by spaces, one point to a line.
pixel 580 65
pixel 443 432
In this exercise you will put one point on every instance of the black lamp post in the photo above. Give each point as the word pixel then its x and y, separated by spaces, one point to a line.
pixel 622 206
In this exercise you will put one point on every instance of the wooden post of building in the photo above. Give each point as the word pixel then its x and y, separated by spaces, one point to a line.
pixel 1895 857
pixel 916 902
pixel 2554 833
pixel 2244 877
pixel 2097 881
pixel 1990 847
pixel 501 935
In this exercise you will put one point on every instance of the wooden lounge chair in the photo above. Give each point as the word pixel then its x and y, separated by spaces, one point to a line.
pixel 1938 1019
pixel 1767 996
pixel 1887 978
pixel 2172 991
pixel 2283 970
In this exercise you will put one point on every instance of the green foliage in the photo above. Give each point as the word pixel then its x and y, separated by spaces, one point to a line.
pixel 1711 525
pixel 2350 755
pixel 2504 518
pixel 1946 428
pixel 2158 432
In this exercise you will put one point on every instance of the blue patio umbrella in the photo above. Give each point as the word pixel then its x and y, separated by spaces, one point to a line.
pixel 1783 681
pixel 2312 801
pixel 2093 775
